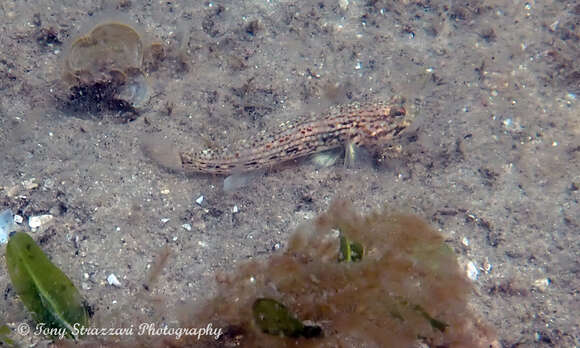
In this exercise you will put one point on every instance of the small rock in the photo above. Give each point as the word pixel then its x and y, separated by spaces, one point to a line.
pixel 186 227
pixel 199 200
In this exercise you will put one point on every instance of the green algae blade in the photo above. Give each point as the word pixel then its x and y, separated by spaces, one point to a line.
pixel 273 318
pixel 43 288
pixel 350 251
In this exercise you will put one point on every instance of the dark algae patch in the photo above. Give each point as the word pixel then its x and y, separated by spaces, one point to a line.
pixel 403 288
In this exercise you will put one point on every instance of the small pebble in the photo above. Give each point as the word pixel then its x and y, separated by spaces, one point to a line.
pixel 199 200
pixel 186 227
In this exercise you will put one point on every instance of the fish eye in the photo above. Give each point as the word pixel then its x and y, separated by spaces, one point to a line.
pixel 397 111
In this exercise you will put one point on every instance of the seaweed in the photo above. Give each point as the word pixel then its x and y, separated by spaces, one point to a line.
pixel 43 288
pixel 407 290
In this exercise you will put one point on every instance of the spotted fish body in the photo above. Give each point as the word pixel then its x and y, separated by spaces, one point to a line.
pixel 360 124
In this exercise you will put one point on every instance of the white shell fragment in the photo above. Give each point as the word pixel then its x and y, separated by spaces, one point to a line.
pixel 112 280
pixel 472 271
pixel 542 284
pixel 18 219
pixel 37 221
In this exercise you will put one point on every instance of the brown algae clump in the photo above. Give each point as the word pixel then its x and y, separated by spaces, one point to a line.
pixel 403 288
pixel 104 69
